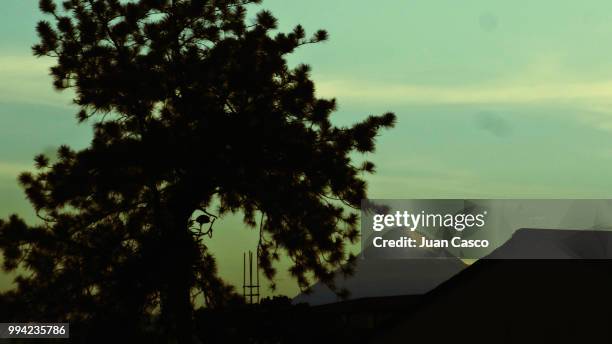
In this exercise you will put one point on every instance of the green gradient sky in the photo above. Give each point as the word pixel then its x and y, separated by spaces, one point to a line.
pixel 494 99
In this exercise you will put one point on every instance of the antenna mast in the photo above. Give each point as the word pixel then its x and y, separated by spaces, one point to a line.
pixel 250 291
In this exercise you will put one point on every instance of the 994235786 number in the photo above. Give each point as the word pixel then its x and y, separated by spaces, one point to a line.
pixel 34 330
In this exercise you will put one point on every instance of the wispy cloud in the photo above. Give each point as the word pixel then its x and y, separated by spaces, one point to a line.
pixel 25 79
pixel 546 78
pixel 487 93
pixel 23 65
pixel 12 170
pixel 545 81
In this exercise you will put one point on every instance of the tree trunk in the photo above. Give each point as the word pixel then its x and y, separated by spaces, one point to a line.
pixel 178 247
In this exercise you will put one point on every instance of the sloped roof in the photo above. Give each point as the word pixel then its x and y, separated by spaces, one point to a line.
pixel 536 243
pixel 408 273
pixel 520 300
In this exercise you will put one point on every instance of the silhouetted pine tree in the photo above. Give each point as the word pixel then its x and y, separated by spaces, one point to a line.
pixel 194 105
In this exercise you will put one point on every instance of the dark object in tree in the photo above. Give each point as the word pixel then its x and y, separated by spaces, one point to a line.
pixel 192 105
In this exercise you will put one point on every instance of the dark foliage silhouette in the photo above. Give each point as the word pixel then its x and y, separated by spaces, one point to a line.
pixel 195 112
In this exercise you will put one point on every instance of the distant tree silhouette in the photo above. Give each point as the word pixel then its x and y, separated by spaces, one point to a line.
pixel 193 105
